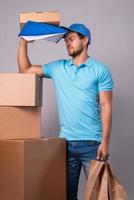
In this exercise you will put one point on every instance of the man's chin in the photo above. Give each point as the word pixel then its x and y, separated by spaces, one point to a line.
pixel 72 54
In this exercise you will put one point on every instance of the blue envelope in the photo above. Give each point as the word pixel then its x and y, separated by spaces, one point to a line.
pixel 38 30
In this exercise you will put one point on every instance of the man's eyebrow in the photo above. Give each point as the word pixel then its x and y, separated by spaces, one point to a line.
pixel 69 37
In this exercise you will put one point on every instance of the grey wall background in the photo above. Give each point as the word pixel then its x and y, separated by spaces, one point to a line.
pixel 112 28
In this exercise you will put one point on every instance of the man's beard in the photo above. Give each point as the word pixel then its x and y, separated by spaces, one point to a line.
pixel 74 53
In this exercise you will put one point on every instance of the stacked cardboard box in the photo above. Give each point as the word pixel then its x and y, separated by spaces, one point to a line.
pixel 20 106
pixel 52 17
pixel 31 167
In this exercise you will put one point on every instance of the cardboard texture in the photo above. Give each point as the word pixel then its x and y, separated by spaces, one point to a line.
pixel 20 122
pixel 20 90
pixel 33 169
pixel 52 17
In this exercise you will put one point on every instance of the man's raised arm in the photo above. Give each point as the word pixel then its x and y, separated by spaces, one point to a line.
pixel 23 61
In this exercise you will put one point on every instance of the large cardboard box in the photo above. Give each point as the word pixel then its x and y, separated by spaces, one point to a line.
pixel 20 89
pixel 33 169
pixel 52 17
pixel 20 122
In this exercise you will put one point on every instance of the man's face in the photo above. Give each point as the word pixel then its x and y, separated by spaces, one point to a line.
pixel 74 44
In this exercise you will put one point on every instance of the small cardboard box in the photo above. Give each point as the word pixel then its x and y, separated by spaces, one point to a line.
pixel 33 169
pixel 20 122
pixel 20 89
pixel 52 17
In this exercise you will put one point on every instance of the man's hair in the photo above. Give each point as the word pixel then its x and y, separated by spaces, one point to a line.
pixel 81 37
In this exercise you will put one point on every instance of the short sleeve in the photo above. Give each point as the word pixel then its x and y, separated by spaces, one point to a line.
pixel 49 68
pixel 105 80
pixel 47 71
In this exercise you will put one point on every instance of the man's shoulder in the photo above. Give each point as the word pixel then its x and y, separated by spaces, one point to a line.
pixel 99 65
pixel 58 62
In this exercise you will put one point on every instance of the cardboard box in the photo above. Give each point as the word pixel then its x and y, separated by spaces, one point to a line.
pixel 52 17
pixel 20 122
pixel 33 169
pixel 20 89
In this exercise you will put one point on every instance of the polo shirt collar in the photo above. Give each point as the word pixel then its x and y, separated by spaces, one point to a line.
pixel 88 62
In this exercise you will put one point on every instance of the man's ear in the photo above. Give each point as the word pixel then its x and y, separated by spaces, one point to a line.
pixel 85 40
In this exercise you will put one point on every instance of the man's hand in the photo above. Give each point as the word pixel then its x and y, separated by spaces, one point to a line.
pixel 23 41
pixel 103 151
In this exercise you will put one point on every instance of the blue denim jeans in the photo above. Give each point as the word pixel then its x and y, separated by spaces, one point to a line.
pixel 79 154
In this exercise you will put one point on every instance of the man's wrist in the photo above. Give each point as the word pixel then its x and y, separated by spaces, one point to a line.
pixel 106 138
pixel 23 42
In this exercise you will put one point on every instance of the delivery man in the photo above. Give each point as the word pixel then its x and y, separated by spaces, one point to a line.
pixel 84 96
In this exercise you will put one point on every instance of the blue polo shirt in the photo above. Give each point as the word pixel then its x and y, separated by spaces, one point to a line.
pixel 77 91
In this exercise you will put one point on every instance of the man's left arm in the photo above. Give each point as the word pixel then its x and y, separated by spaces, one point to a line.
pixel 105 99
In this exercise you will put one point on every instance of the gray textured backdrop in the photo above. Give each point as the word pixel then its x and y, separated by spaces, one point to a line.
pixel 112 28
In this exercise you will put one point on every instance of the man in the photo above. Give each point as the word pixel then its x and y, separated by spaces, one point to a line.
pixel 84 95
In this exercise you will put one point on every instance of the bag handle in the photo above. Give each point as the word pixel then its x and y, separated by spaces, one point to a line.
pixel 94 171
pixel 103 191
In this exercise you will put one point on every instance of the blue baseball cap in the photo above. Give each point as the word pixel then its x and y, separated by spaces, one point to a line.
pixel 80 28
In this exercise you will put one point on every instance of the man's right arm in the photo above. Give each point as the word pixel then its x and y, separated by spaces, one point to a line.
pixel 23 61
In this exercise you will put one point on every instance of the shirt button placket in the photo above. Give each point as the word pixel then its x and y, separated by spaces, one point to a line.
pixel 75 74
